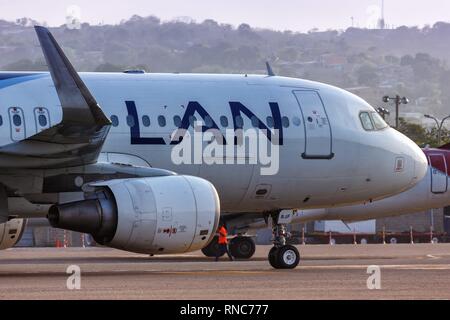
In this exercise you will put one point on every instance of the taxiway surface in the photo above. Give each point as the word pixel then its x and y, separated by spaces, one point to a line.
pixel 420 271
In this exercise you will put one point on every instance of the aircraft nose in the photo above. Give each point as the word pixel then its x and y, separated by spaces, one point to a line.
pixel 420 163
pixel 417 170
pixel 410 163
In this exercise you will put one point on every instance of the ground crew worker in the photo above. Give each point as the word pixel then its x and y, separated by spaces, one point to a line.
pixel 223 243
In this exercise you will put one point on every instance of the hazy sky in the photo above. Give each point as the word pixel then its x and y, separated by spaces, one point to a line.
pixel 297 15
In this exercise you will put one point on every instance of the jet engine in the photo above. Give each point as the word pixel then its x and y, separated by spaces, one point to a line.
pixel 11 232
pixel 158 215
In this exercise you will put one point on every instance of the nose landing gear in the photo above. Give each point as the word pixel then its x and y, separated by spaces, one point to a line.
pixel 282 256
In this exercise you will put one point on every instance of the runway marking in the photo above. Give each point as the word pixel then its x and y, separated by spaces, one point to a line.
pixel 267 271
pixel 193 272
pixel 391 266
pixel 432 257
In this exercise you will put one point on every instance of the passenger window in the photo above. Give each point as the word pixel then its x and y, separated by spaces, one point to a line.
pixel 146 121
pixel 130 121
pixel 255 122
pixel 296 121
pixel 365 121
pixel 208 122
pixel 17 120
pixel 224 121
pixel 239 122
pixel 1 121
pixel 42 120
pixel 192 120
pixel 162 121
pixel 285 122
pixel 177 121
pixel 270 122
pixel 378 121
pixel 115 121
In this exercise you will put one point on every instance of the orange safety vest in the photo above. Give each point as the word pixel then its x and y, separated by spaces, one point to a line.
pixel 223 235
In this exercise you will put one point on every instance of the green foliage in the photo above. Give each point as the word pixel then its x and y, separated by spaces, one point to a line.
pixel 433 140
pixel 415 132
pixel 422 136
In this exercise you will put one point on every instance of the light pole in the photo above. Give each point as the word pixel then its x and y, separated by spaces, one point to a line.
pixel 439 125
pixel 398 101
pixel 383 112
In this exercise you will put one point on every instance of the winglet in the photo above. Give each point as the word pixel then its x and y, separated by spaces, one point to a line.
pixel 270 72
pixel 79 106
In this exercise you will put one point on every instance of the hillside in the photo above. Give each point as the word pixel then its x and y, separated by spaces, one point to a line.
pixel 408 61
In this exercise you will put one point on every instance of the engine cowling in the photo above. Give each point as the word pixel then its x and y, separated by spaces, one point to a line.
pixel 11 232
pixel 159 215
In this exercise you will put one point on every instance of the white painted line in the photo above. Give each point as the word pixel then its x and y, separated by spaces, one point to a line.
pixel 392 266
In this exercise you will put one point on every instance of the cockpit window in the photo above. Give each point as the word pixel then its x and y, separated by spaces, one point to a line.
pixel 366 122
pixel 378 121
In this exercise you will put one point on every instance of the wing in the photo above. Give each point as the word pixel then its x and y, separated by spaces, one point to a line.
pixel 78 139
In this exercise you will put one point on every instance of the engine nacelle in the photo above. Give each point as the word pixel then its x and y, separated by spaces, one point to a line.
pixel 159 215
pixel 11 232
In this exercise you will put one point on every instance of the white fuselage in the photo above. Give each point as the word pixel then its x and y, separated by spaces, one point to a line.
pixel 432 192
pixel 326 158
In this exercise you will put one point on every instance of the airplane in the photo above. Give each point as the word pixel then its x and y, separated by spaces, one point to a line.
pixel 432 192
pixel 109 154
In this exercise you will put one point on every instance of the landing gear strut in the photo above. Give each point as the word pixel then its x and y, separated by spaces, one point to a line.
pixel 282 256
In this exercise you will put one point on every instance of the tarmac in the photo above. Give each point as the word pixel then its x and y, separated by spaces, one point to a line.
pixel 419 271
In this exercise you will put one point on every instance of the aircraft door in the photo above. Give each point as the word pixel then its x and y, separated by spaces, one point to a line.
pixel 17 123
pixel 439 183
pixel 318 135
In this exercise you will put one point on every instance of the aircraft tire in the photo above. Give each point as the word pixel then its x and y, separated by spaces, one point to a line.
pixel 285 257
pixel 211 249
pixel 242 247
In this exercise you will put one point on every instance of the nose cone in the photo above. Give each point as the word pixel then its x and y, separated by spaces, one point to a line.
pixel 396 164
pixel 420 164
pixel 411 164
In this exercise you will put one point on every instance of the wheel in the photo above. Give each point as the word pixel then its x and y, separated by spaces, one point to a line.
pixel 212 248
pixel 286 257
pixel 242 247
pixel 273 257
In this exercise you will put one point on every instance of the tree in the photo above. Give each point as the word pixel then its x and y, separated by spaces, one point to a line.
pixel 244 28
pixel 422 136
pixel 415 132
pixel 433 137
